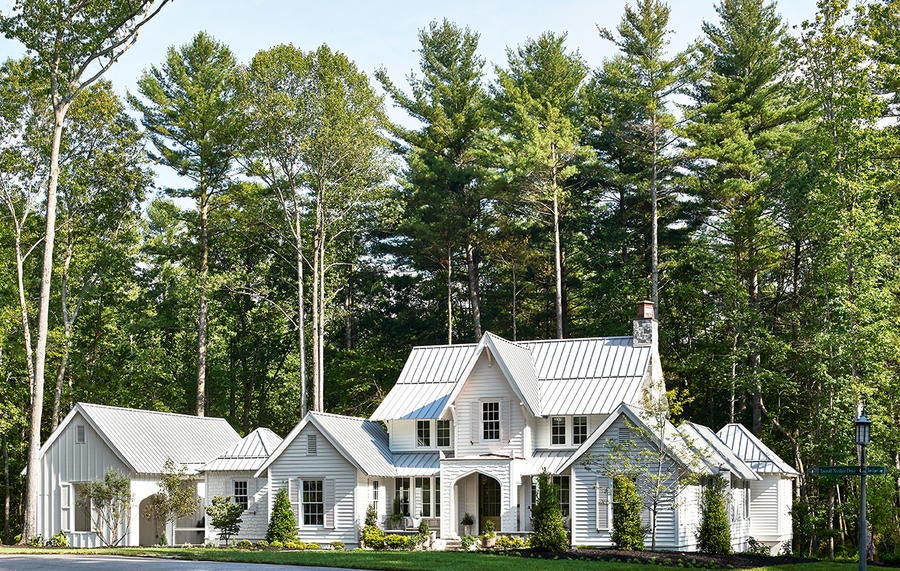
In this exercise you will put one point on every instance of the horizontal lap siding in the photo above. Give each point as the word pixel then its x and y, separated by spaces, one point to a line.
pixel 64 462
pixel 255 519
pixel 328 463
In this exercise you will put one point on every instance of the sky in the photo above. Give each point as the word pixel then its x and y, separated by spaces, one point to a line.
pixel 385 34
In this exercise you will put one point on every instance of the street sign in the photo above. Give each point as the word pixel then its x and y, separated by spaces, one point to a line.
pixel 847 470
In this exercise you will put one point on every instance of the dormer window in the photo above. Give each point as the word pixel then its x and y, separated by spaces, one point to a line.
pixel 443 434
pixel 579 429
pixel 79 434
pixel 558 430
pixel 423 434
pixel 490 420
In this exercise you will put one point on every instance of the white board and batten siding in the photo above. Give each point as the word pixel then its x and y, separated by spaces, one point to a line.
pixel 487 383
pixel 255 519
pixel 68 462
pixel 339 479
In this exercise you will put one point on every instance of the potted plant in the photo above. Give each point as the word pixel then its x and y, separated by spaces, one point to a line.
pixel 467 522
pixel 488 534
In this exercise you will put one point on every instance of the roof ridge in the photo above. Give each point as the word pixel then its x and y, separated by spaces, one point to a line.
pixel 574 339
pixel 335 415
pixel 146 411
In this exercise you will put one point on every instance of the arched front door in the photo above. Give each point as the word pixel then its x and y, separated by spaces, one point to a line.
pixel 150 528
pixel 488 502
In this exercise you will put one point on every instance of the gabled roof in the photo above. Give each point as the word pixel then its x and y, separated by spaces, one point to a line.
pixel 715 452
pixel 145 439
pixel 751 450
pixel 361 442
pixel 573 376
pixel 676 446
pixel 248 454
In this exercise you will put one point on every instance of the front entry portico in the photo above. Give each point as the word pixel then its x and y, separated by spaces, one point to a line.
pixel 481 487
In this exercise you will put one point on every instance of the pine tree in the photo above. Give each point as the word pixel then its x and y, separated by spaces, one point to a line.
pixel 282 525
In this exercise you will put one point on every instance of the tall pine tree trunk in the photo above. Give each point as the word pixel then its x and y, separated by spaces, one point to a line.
pixel 474 295
pixel 557 249
pixel 40 352
pixel 654 243
pixel 203 312
pixel 449 295
pixel 316 316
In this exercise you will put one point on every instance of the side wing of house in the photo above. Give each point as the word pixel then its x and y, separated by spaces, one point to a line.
pixel 74 456
pixel 616 444
pixel 246 490
pixel 322 486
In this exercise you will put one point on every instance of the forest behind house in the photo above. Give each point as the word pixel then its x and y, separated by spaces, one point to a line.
pixel 748 186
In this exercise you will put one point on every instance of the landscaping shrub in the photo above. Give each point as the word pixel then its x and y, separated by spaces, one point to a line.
pixel 371 516
pixel 373 537
pixel 276 544
pixel 395 541
pixel 244 544
pixel 466 542
pixel 510 542
pixel 225 516
pixel 714 535
pixel 627 531
pixel 59 540
pixel 546 519
pixel 337 545
pixel 294 544
pixel 262 543
pixel 311 546
pixel 281 525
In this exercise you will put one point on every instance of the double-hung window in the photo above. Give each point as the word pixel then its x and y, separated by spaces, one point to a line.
pixel 423 434
pixel 313 502
pixel 579 429
pixel 558 430
pixel 490 420
pixel 443 434
pixel 240 493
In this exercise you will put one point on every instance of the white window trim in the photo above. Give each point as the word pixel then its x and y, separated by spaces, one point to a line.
pixel 431 435
pixel 234 493
pixel 481 403
pixel 566 431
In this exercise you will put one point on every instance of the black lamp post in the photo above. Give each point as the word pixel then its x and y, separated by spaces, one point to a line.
pixel 863 436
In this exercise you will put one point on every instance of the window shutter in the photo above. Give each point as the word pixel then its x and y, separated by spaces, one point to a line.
pixel 505 415
pixel 476 422
pixel 65 502
pixel 329 503
pixel 603 503
pixel 417 503
pixel 294 486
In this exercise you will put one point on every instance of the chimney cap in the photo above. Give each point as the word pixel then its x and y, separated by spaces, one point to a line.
pixel 645 310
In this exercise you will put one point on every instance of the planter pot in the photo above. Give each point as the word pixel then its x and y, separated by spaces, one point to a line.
pixel 488 542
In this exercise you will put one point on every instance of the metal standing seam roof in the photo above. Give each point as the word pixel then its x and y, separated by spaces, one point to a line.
pixel 574 376
pixel 546 460
pixel 146 439
pixel 361 441
pixel 715 452
pixel 425 383
pixel 410 464
pixel 588 376
pixel 248 454
pixel 753 452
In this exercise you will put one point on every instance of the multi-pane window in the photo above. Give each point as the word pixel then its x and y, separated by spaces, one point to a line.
pixel 579 429
pixel 423 433
pixel 402 493
pixel 443 434
pixel 375 494
pixel 79 434
pixel 562 482
pixel 423 486
pixel 313 502
pixel 240 493
pixel 558 430
pixel 490 420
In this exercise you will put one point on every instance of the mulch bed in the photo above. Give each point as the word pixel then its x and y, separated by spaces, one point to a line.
pixel 671 558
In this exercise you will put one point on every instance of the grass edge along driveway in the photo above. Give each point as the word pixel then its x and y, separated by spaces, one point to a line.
pixel 391 560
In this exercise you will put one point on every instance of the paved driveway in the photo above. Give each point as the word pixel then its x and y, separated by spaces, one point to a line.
pixel 110 563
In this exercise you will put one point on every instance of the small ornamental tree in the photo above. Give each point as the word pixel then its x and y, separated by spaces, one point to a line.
pixel 176 498
pixel 225 516
pixel 546 518
pixel 627 530
pixel 371 516
pixel 714 535
pixel 110 504
pixel 282 526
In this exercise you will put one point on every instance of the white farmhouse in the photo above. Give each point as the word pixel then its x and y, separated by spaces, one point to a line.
pixel 468 428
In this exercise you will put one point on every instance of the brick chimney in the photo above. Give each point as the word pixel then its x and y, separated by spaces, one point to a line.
pixel 645 325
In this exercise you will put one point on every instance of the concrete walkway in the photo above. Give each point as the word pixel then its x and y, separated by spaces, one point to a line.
pixel 114 563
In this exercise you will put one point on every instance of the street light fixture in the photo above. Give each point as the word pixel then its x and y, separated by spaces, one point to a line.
pixel 863 437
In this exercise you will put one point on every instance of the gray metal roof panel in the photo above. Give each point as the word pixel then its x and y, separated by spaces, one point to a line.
pixel 520 365
pixel 248 454
pixel 715 452
pixel 751 450
pixel 547 460
pixel 146 439
pixel 409 464
pixel 359 440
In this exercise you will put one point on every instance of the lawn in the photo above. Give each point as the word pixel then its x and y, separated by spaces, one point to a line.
pixel 391 560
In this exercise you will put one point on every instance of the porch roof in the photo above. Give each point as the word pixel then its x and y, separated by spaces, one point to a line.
pixel 410 464
pixel 550 461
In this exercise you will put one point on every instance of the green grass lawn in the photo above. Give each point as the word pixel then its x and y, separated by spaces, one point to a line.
pixel 390 560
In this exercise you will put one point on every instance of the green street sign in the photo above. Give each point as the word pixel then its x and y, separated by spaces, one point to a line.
pixel 847 470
